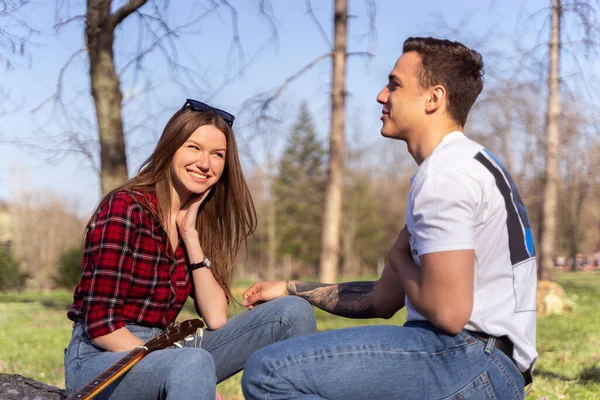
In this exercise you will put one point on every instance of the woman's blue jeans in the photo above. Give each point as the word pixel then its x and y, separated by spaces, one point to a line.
pixel 189 373
pixel 415 361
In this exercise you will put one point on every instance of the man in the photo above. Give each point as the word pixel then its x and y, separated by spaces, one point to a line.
pixel 463 266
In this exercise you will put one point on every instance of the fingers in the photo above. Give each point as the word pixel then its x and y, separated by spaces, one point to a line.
pixel 204 195
pixel 252 295
pixel 250 290
pixel 188 213
pixel 251 300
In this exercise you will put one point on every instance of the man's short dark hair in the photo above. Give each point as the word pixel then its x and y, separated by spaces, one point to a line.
pixel 452 65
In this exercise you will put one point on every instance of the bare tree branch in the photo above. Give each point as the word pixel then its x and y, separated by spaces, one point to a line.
pixel 236 44
pixel 57 95
pixel 157 35
pixel 63 23
pixel 313 17
pixel 127 9
pixel 371 34
pixel 15 32
pixel 264 101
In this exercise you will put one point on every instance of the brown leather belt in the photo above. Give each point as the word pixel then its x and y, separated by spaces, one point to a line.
pixel 503 344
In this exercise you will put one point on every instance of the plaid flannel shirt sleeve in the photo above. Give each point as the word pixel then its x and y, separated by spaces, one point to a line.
pixel 110 239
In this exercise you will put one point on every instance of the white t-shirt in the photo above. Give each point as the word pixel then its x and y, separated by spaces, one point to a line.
pixel 462 198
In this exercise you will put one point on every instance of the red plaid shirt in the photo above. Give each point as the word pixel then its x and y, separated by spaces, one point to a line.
pixel 129 275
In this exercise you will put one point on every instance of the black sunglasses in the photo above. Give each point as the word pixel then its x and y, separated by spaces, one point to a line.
pixel 203 107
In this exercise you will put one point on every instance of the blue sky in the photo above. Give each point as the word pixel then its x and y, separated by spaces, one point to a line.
pixel 73 177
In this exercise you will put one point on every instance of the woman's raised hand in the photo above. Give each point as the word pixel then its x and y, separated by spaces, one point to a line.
pixel 187 215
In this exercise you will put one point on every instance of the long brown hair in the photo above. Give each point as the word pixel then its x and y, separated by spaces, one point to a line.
pixel 227 216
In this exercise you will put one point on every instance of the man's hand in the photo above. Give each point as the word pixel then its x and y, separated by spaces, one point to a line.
pixel 263 291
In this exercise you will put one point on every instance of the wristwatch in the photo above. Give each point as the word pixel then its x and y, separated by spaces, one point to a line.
pixel 202 264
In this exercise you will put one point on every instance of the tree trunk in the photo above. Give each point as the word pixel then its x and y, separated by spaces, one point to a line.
pixel 548 238
pixel 271 230
pixel 332 216
pixel 106 91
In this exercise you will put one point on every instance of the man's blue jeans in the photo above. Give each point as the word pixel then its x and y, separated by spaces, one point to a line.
pixel 189 373
pixel 414 361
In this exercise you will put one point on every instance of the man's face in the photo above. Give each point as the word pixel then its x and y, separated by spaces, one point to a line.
pixel 403 99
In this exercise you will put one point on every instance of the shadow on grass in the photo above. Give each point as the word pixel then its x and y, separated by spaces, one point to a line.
pixel 590 374
pixel 551 375
pixel 585 283
pixel 56 300
pixel 56 304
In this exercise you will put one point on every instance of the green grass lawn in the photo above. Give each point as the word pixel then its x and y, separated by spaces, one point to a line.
pixel 34 330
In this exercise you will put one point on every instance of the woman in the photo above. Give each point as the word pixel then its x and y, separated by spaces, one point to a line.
pixel 171 232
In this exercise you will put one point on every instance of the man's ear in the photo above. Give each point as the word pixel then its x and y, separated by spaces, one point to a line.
pixel 437 99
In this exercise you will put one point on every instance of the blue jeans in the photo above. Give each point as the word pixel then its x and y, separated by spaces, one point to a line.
pixel 189 372
pixel 414 361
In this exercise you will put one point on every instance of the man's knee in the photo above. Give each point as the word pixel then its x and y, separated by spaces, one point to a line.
pixel 255 371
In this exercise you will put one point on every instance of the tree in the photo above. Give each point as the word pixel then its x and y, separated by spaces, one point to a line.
pixel 332 215
pixel 548 236
pixel 576 170
pixel 42 227
pixel 157 35
pixel 586 13
pixel 299 192
pixel 105 86
pixel 362 228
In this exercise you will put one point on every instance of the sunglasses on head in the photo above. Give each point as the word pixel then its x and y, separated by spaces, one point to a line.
pixel 203 107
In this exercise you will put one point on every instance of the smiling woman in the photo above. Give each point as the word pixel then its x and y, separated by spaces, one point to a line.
pixel 171 232
pixel 200 162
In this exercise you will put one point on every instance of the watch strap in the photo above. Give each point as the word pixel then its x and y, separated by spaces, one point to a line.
pixel 202 264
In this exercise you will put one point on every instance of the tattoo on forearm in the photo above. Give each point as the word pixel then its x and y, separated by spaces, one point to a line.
pixel 349 299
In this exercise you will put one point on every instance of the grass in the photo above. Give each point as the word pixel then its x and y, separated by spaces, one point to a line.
pixel 34 330
pixel 569 345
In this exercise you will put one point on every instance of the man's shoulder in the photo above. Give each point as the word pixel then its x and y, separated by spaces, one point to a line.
pixel 459 149
pixel 460 156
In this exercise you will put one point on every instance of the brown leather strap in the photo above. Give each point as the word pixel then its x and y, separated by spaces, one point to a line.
pixel 503 344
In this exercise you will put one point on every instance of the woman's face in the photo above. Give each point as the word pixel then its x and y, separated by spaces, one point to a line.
pixel 199 163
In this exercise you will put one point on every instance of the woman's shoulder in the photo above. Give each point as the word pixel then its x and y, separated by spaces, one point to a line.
pixel 127 197
pixel 126 202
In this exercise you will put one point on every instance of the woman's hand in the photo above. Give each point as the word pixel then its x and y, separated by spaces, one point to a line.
pixel 187 215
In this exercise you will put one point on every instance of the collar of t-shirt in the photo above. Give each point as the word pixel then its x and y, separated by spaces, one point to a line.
pixel 445 140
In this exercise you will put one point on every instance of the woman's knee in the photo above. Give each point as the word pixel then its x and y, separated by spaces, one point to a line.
pixel 298 314
pixel 192 363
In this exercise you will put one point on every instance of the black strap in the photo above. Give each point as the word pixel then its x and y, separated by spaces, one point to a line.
pixel 504 344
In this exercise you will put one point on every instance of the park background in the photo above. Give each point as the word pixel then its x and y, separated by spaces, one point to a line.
pixel 271 64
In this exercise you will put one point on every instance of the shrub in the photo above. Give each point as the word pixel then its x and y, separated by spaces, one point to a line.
pixel 69 268
pixel 11 276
